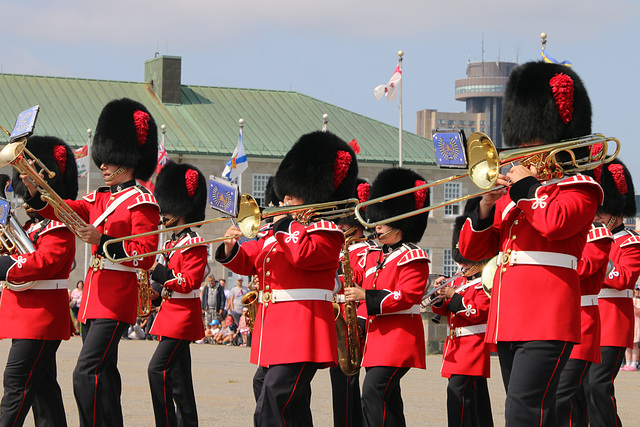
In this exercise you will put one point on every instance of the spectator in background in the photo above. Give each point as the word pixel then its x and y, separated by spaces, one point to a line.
pixel 235 301
pixel 242 326
pixel 213 300
pixel 74 303
pixel 228 332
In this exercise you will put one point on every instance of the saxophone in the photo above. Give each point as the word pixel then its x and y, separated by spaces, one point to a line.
pixel 250 300
pixel 349 352
pixel 144 294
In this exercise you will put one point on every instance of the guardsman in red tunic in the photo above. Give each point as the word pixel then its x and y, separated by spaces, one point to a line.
pixel 181 191
pixel 540 231
pixel 392 279
pixel 466 357
pixel 125 148
pixel 37 319
pixel 571 403
pixel 345 390
pixel 295 333
pixel 615 300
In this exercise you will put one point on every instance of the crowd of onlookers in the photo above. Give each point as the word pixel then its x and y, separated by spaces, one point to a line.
pixel 223 314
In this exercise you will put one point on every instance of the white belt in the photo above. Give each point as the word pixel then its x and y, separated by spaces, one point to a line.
pixel 49 284
pixel 99 263
pixel 413 310
pixel 466 331
pixel 551 259
pixel 282 295
pixel 614 293
pixel 588 300
pixel 192 294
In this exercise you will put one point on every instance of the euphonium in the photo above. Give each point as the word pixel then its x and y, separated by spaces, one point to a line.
pixel 144 293
pixel 349 352
pixel 250 300
pixel 15 154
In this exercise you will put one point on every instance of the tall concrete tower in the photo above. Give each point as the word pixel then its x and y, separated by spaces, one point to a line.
pixel 483 91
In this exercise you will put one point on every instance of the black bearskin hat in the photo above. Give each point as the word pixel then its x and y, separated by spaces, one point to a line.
pixel 270 196
pixel 544 102
pixel 126 135
pixel 320 167
pixel 617 184
pixel 56 155
pixel 181 189
pixel 470 206
pixel 362 194
pixel 390 181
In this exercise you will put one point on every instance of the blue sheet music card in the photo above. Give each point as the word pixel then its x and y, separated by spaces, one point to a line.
pixel 5 208
pixel 450 148
pixel 223 196
pixel 24 124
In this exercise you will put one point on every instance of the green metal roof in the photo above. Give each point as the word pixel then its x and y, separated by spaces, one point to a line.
pixel 206 122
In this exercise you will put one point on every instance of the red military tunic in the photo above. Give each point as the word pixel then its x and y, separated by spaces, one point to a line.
pixel 113 293
pixel 182 273
pixel 465 352
pixel 532 299
pixel 299 259
pixel 395 282
pixel 592 269
pixel 39 314
pixel 616 307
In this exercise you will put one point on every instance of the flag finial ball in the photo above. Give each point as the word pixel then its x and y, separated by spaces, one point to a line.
pixel 89 131
pixel 241 122
pixel 400 53
pixel 325 116
pixel 163 127
pixel 543 36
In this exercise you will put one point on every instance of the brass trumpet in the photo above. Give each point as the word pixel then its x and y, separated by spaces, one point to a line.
pixel 248 220
pixel 17 155
pixel 485 163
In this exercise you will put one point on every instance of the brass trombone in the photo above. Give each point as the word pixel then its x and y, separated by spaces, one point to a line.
pixel 248 221
pixel 485 163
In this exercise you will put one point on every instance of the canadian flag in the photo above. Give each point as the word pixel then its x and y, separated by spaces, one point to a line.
pixel 389 91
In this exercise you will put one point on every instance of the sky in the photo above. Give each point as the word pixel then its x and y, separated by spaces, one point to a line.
pixel 337 50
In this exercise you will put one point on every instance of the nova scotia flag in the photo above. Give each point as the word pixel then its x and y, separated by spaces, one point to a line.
pixel 237 163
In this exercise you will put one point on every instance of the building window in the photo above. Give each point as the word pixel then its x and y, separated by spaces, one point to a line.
pixel 462 122
pixel 481 129
pixel 442 122
pixel 472 122
pixel 472 130
pixel 259 185
pixel 449 266
pixel 452 190
pixel 481 122
pixel 451 122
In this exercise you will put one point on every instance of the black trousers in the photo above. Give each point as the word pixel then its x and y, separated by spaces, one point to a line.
pixel 284 396
pixel 170 381
pixel 30 380
pixel 382 397
pixel 571 406
pixel 96 380
pixel 531 372
pixel 468 402
pixel 601 394
pixel 347 410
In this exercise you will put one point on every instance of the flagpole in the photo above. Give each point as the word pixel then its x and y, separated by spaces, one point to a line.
pixel 400 55
pixel 325 121
pixel 86 245
pixel 241 123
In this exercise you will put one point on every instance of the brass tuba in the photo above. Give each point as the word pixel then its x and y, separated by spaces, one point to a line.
pixel 347 328
pixel 13 238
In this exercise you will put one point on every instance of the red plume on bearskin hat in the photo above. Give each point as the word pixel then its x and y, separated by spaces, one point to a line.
pixel 58 157
pixel 544 102
pixel 320 167
pixel 390 181
pixel 126 135
pixel 181 189
pixel 617 184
